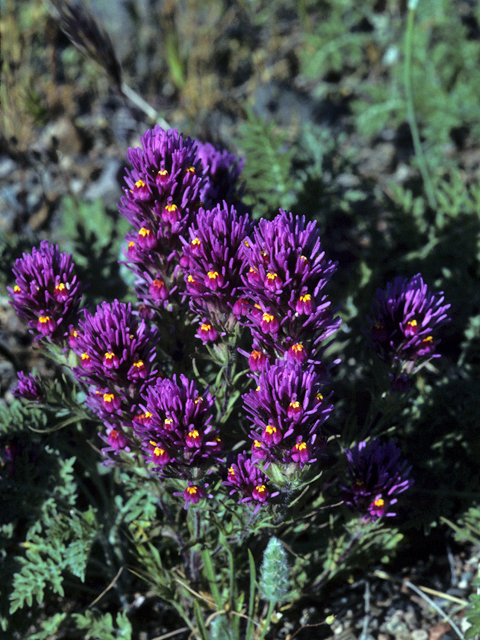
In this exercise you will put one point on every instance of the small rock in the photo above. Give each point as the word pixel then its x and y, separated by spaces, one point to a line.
pixel 106 187
pixel 7 165
pixel 420 634
pixel 439 631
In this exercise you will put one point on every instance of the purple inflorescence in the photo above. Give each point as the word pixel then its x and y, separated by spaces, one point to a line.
pixel 28 388
pixel 213 263
pixel 287 410
pixel 163 195
pixel 405 319
pixel 9 452
pixel 175 427
pixel 249 481
pixel 287 271
pixel 377 474
pixel 116 351
pixel 222 170
pixel 47 292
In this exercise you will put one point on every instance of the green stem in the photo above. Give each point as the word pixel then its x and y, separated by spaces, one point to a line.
pixel 271 607
pixel 417 145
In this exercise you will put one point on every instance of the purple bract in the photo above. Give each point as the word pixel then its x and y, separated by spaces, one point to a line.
pixel 116 351
pixel 222 170
pixel 47 292
pixel 28 388
pixel 406 317
pixel 213 263
pixel 377 473
pixel 287 271
pixel 287 410
pixel 249 481
pixel 162 197
pixel 175 427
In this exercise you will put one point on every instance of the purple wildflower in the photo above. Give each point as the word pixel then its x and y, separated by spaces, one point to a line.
pixel 117 440
pixel 287 410
pixel 287 271
pixel 28 388
pixel 222 170
pixel 162 197
pixel 116 350
pixel 47 292
pixel 406 319
pixel 248 480
pixel 377 474
pixel 207 332
pixel 257 360
pixel 213 263
pixel 193 493
pixel 175 428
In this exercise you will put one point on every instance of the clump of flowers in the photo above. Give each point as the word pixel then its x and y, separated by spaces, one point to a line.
pixel 245 450
pixel 406 318
pixel 175 429
pixel 287 410
pixel 116 350
pixel 160 201
pixel 376 475
pixel 47 292
pixel 247 480
pixel 214 265
pixel 290 316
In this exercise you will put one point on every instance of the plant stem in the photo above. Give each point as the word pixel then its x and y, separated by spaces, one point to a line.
pixel 271 607
pixel 417 145
pixel 143 105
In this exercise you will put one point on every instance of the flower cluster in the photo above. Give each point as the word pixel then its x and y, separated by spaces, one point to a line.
pixel 249 481
pixel 222 170
pixel 405 320
pixel 213 264
pixel 290 319
pixel 287 410
pixel 46 292
pixel 161 198
pixel 287 271
pixel 116 351
pixel 175 428
pixel 171 177
pixel 28 388
pixel 376 474
pixel 257 285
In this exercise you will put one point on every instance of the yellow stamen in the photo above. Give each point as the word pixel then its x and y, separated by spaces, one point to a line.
pixel 301 446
